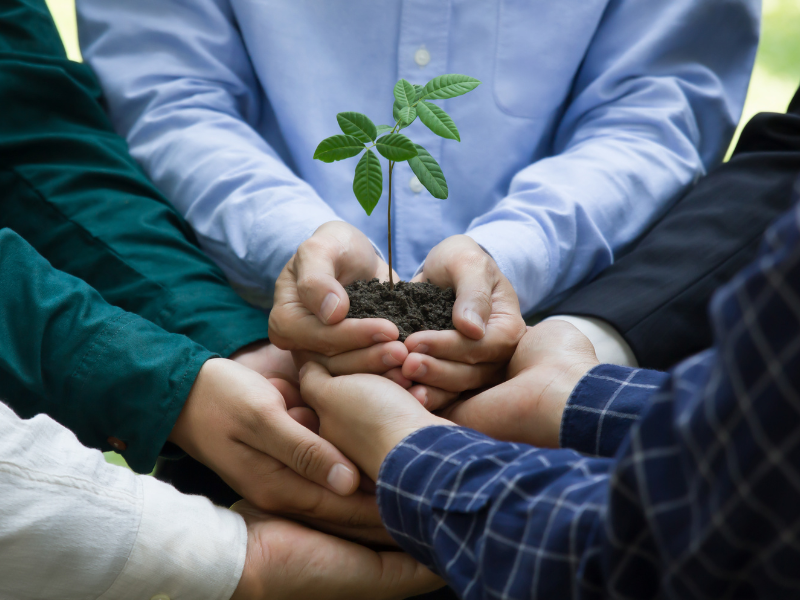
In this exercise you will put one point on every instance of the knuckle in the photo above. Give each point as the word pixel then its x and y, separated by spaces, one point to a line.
pixel 308 457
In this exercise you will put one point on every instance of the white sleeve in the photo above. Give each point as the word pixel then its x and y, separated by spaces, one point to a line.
pixel 74 527
pixel 609 346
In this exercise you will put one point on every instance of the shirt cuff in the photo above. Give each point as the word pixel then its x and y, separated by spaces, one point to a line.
pixel 609 345
pixel 521 255
pixel 604 405
pixel 185 548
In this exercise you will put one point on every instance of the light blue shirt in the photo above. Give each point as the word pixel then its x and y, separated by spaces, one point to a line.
pixel 593 117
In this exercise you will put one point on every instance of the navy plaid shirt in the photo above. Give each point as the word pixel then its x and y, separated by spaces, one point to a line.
pixel 693 490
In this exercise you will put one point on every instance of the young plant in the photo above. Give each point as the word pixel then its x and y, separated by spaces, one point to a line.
pixel 360 133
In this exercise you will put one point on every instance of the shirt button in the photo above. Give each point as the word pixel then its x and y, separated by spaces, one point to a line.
pixel 422 57
pixel 415 184
pixel 160 597
pixel 121 446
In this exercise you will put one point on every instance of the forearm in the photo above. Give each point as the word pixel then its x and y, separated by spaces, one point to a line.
pixel 194 130
pixel 99 531
pixel 486 515
pixel 627 144
pixel 72 190
pixel 98 370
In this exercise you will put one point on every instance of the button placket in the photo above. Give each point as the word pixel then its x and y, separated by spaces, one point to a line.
pixel 423 47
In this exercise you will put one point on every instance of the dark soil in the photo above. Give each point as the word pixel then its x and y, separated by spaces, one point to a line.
pixel 411 306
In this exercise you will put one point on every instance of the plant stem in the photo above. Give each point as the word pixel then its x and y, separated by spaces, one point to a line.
pixel 391 279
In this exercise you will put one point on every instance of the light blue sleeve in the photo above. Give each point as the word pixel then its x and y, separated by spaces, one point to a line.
pixel 652 108
pixel 188 105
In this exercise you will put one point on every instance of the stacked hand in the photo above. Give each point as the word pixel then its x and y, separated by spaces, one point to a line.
pixel 238 423
pixel 311 305
pixel 287 561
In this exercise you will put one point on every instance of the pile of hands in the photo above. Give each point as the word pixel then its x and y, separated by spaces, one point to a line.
pixel 299 427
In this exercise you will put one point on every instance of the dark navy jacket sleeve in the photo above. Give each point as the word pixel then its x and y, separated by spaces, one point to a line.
pixel 700 501
pixel 603 407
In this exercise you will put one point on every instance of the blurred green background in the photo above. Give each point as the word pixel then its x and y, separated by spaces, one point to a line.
pixel 776 75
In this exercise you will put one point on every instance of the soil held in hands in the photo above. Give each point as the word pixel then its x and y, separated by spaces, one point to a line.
pixel 411 306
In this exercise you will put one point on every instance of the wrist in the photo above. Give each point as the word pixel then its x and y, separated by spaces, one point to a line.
pixel 391 438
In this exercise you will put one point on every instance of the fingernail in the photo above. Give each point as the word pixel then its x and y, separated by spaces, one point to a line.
pixel 341 479
pixel 302 371
pixel 381 337
pixel 421 370
pixel 473 317
pixel 424 399
pixel 421 349
pixel 329 305
pixel 390 361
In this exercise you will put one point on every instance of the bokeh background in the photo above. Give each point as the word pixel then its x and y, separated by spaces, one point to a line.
pixel 776 75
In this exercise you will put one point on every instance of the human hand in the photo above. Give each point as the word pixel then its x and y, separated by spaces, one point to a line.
pixel 238 424
pixel 549 362
pixel 276 365
pixel 287 561
pixel 365 416
pixel 488 325
pixel 311 304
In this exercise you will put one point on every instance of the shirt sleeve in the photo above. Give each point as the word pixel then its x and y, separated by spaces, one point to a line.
pixel 72 190
pixel 697 501
pixel 604 405
pixel 73 526
pixel 191 126
pixel 653 107
pixel 94 368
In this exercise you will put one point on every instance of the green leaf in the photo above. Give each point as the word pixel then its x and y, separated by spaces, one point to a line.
pixel 396 108
pixel 338 147
pixel 448 86
pixel 357 125
pixel 407 115
pixel 418 90
pixel 404 93
pixel 396 147
pixel 429 173
pixel 368 182
pixel 437 120
pixel 384 128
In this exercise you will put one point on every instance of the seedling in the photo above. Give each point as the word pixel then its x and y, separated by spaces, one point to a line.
pixel 360 134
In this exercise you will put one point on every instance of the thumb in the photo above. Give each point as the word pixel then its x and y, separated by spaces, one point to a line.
pixel 473 305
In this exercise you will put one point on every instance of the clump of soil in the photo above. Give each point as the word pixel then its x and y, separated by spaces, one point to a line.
pixel 411 306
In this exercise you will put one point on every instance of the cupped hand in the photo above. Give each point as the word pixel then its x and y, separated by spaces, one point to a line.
pixel 365 416
pixel 310 300
pixel 288 561
pixel 550 360
pixel 238 424
pixel 488 324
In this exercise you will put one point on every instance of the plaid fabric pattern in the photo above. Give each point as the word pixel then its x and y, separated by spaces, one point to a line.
pixel 702 499
pixel 602 409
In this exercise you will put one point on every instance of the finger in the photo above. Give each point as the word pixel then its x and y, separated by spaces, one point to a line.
pixel 449 375
pixel 306 417
pixel 307 454
pixel 377 359
pixel 368 536
pixel 453 345
pixel 396 375
pixel 289 391
pixel 322 262
pixel 313 378
pixel 432 398
pixel 303 331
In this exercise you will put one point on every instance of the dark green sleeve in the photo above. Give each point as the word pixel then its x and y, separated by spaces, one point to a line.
pixel 96 369
pixel 69 187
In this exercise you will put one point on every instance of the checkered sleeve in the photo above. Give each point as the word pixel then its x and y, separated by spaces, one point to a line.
pixel 700 501
pixel 496 519
pixel 604 405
